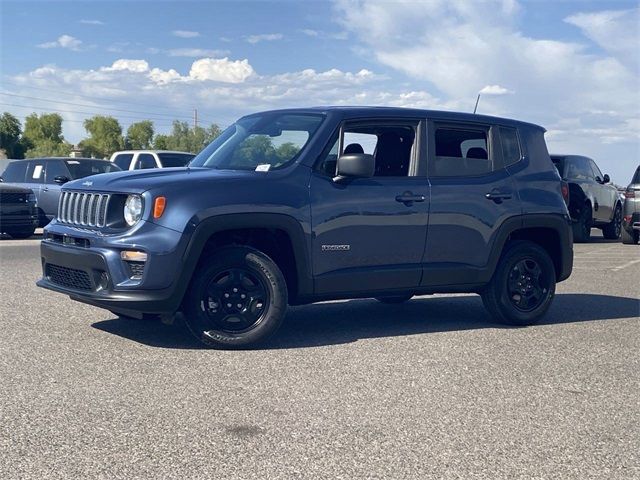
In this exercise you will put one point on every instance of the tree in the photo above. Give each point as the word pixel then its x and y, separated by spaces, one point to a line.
pixel 42 136
pixel 105 136
pixel 186 139
pixel 10 130
pixel 139 135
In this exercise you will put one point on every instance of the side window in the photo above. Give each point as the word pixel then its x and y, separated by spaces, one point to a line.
pixel 123 160
pixel 579 169
pixel 35 172
pixel 15 172
pixel 461 152
pixel 146 160
pixel 596 170
pixel 511 152
pixel 55 168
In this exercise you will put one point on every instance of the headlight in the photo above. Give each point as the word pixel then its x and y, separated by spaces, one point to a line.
pixel 132 210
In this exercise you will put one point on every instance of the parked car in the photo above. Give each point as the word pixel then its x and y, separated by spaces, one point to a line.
pixel 45 176
pixel 631 211
pixel 593 201
pixel 141 159
pixel 297 206
pixel 18 211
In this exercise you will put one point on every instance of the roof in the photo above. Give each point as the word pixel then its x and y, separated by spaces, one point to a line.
pixel 362 111
pixel 151 151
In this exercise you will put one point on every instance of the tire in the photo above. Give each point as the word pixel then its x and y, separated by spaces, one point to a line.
pixel 630 238
pixel 394 300
pixel 236 299
pixel 582 226
pixel 612 230
pixel 22 234
pixel 524 267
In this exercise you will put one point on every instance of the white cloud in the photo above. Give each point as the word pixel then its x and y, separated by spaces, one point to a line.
pixel 185 34
pixel 456 48
pixel 264 37
pixel 63 41
pixel 128 65
pixel 91 22
pixel 221 70
pixel 196 52
pixel 494 90
pixel 616 31
pixel 324 35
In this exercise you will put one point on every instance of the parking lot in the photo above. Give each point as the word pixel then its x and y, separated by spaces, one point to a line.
pixel 353 389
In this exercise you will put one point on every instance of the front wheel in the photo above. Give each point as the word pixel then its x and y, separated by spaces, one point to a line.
pixel 612 230
pixel 522 286
pixel 237 299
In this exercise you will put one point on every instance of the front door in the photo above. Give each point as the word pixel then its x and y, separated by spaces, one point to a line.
pixel 472 193
pixel 369 233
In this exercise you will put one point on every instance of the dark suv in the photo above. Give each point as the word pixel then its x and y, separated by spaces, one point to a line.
pixel 297 206
pixel 594 202
pixel 45 176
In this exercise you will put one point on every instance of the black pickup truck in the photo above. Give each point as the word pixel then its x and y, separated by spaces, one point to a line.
pixel 297 206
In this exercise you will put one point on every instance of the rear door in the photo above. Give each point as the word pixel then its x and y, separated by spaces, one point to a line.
pixel 369 233
pixel 472 194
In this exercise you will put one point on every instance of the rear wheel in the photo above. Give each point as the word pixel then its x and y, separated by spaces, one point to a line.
pixel 582 225
pixel 522 286
pixel 237 299
pixel 395 299
pixel 612 230
pixel 630 238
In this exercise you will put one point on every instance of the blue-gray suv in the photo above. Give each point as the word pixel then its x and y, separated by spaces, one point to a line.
pixel 297 206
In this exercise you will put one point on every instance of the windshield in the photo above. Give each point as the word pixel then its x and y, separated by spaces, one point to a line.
pixel 84 168
pixel 260 142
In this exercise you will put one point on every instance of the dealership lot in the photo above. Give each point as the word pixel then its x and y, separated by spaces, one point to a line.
pixel 353 389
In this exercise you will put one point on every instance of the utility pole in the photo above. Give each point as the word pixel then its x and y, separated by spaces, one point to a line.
pixel 195 118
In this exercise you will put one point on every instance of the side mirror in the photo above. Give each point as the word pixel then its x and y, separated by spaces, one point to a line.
pixel 606 178
pixel 61 179
pixel 358 165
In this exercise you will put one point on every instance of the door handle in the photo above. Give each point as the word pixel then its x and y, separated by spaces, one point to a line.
pixel 45 189
pixel 409 197
pixel 497 197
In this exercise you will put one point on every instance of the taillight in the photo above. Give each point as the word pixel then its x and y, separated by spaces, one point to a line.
pixel 630 194
pixel 564 186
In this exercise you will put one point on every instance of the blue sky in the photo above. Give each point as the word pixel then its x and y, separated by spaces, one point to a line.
pixel 572 66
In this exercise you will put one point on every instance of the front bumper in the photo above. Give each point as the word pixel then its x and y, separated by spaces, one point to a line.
pixel 88 267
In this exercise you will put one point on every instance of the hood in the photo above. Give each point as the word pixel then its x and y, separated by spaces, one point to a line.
pixel 139 181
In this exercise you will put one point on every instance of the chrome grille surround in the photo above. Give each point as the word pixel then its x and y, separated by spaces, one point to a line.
pixel 83 208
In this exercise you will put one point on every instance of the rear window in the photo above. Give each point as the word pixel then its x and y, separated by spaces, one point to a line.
pixel 85 168
pixel 461 152
pixel 15 172
pixel 175 159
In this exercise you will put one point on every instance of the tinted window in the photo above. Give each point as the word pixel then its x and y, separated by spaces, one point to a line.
pixel 123 160
pixel 35 172
pixel 146 160
pixel 175 159
pixel 15 172
pixel 510 146
pixel 461 152
pixel 55 168
pixel 85 168
pixel 578 168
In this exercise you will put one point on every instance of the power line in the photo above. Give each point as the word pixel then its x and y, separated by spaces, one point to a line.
pixel 93 106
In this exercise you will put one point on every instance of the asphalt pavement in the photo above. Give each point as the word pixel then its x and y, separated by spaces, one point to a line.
pixel 352 389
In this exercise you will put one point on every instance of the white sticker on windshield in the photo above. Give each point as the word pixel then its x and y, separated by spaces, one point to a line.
pixel 263 167
pixel 37 170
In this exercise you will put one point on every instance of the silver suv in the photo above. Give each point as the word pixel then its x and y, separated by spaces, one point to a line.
pixel 631 212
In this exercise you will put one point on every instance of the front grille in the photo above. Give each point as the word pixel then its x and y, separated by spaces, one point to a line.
pixel 87 209
pixel 13 197
pixel 69 277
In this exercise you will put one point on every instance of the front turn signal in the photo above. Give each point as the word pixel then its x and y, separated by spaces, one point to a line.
pixel 158 206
